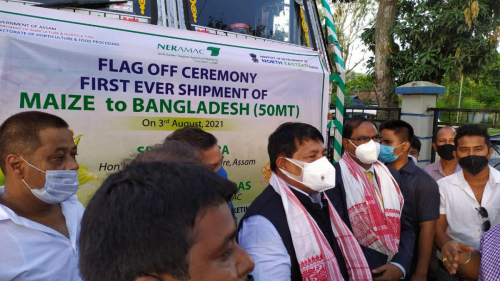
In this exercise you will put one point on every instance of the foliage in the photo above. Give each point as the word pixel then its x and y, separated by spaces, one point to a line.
pixel 359 84
pixel 356 83
pixel 349 19
pixel 435 37
pixel 481 90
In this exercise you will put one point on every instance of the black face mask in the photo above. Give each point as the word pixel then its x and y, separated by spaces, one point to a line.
pixel 473 164
pixel 446 151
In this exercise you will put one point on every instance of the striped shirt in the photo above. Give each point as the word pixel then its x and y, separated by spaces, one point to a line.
pixel 490 255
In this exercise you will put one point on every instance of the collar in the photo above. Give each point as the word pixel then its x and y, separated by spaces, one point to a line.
pixel 494 175
pixel 315 197
pixel 493 179
pixel 439 167
pixel 409 167
pixel 3 212
pixel 371 169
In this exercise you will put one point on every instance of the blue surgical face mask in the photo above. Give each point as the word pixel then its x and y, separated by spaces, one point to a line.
pixel 59 186
pixel 222 173
pixel 387 153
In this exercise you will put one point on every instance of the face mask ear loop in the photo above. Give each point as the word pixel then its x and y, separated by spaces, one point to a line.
pixel 26 184
pixel 352 143
pixel 403 150
pixel 32 165
pixel 301 168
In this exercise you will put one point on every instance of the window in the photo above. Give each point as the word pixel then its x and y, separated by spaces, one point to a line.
pixel 281 20
pixel 133 10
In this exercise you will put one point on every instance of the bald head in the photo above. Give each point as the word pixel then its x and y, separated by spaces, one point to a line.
pixel 445 135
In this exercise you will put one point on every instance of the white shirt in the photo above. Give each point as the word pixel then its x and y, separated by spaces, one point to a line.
pixel 459 205
pixel 261 240
pixel 31 251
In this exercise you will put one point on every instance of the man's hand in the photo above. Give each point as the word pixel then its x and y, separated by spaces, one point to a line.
pixel 389 272
pixel 450 252
pixel 418 277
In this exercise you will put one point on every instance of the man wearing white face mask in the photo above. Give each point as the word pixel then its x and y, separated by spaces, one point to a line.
pixel 367 196
pixel 39 212
pixel 291 230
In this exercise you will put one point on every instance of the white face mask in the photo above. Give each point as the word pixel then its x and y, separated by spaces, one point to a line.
pixel 59 186
pixel 318 175
pixel 368 152
pixel 414 159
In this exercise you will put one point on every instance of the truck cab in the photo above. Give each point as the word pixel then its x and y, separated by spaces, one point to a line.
pixel 293 22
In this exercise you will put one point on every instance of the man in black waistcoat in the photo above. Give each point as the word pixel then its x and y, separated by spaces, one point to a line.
pixel 300 174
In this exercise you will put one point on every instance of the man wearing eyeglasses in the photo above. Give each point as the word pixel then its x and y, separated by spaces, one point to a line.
pixel 469 198
pixel 368 198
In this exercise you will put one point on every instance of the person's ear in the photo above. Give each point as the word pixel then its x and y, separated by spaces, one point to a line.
pixel 14 166
pixel 281 162
pixel 345 143
pixel 406 146
pixel 434 146
pixel 490 152
pixel 455 154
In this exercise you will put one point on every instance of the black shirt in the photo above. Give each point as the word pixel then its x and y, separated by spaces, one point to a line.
pixel 422 195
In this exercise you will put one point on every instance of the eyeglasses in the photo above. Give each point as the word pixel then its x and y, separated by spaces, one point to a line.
pixel 367 139
pixel 484 214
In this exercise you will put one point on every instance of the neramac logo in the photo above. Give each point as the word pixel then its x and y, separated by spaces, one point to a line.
pixel 213 50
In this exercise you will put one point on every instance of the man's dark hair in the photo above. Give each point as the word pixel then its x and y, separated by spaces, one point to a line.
pixel 19 134
pixel 142 220
pixel 472 130
pixel 415 143
pixel 286 139
pixel 401 128
pixel 170 150
pixel 353 124
pixel 195 137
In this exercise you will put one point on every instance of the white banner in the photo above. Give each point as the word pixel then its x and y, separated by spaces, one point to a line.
pixel 124 87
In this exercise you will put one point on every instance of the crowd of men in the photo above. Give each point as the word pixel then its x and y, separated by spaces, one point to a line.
pixel 168 216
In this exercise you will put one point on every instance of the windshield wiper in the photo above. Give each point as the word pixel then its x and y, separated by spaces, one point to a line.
pixel 78 4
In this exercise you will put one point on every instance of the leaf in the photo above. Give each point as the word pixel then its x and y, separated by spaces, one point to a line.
pixel 85 176
pixel 2 178
pixel 77 139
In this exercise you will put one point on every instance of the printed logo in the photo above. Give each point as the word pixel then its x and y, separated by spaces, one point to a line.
pixel 254 58
pixel 214 51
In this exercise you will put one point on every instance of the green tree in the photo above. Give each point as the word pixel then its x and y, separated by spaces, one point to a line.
pixel 436 37
pixel 480 90
pixel 350 19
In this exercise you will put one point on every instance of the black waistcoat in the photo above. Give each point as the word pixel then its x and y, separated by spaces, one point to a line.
pixel 269 205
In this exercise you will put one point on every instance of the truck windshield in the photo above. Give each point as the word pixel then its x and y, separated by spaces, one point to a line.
pixel 133 10
pixel 281 20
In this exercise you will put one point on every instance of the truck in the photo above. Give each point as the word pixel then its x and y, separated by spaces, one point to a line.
pixel 125 74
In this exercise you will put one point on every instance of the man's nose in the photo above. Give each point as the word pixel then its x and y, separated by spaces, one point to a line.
pixel 245 263
pixel 72 164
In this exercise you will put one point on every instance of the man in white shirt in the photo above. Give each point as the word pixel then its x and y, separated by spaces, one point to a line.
pixel 39 212
pixel 469 198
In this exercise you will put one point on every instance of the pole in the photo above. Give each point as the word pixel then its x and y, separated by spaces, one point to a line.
pixel 333 44
pixel 460 96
